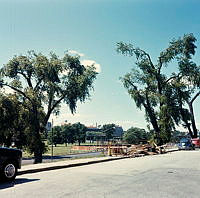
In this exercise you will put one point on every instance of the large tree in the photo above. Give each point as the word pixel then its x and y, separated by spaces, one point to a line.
pixel 74 132
pixel 108 130
pixel 43 83
pixel 56 136
pixel 68 134
pixel 186 84
pixel 80 132
pixel 156 90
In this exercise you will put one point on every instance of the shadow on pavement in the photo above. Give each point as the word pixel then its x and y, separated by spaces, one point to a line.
pixel 4 185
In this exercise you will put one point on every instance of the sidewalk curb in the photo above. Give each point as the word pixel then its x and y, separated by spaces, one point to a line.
pixel 36 170
pixel 54 167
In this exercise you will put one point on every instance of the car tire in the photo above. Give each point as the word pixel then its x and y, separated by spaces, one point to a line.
pixel 9 171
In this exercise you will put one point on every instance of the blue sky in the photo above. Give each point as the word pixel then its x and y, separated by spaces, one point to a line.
pixel 92 28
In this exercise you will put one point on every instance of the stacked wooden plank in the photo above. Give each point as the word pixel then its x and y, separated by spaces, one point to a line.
pixel 141 150
pixel 133 151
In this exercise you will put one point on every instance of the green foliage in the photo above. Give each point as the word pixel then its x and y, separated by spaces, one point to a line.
pixel 46 81
pixel 12 121
pixel 136 135
pixel 164 96
pixel 68 134
pixel 57 136
pixel 80 132
pixel 108 130
pixel 7 111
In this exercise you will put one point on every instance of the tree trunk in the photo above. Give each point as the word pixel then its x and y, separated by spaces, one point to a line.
pixel 153 120
pixel 189 129
pixel 38 148
pixel 193 120
pixel 187 124
pixel 37 156
pixel 37 140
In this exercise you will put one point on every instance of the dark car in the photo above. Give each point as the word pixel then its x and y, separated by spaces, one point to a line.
pixel 10 162
pixel 186 144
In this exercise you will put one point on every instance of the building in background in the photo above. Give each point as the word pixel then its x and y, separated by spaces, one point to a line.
pixel 96 134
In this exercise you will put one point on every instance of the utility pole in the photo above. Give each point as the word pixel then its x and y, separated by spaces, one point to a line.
pixel 52 140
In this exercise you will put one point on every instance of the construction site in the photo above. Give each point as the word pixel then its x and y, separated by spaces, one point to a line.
pixel 128 150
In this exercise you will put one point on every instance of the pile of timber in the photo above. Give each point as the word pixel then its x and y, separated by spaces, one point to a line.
pixel 143 149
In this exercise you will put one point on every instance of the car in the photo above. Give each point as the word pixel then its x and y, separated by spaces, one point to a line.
pixel 196 142
pixel 10 162
pixel 186 144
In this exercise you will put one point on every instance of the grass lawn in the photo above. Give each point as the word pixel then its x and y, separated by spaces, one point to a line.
pixel 60 149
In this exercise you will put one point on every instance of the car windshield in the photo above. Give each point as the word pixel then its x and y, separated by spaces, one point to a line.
pixel 184 140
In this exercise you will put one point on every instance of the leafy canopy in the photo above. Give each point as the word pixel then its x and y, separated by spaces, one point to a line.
pixel 163 96
pixel 48 80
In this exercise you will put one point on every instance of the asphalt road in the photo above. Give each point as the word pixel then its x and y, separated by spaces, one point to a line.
pixel 26 161
pixel 171 175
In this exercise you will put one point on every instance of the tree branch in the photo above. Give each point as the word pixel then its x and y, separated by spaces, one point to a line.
pixel 131 84
pixel 28 79
pixel 173 77
pixel 149 58
pixel 38 83
pixel 194 98
pixel 51 108
pixel 57 102
pixel 19 91
pixel 160 66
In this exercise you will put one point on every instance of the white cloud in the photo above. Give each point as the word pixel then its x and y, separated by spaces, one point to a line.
pixel 86 62
pixel 75 52
pixel 90 63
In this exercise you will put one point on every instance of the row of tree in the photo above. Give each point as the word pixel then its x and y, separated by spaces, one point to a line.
pixel 68 133
pixel 72 133
pixel 167 89
pixel 77 132
pixel 135 135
